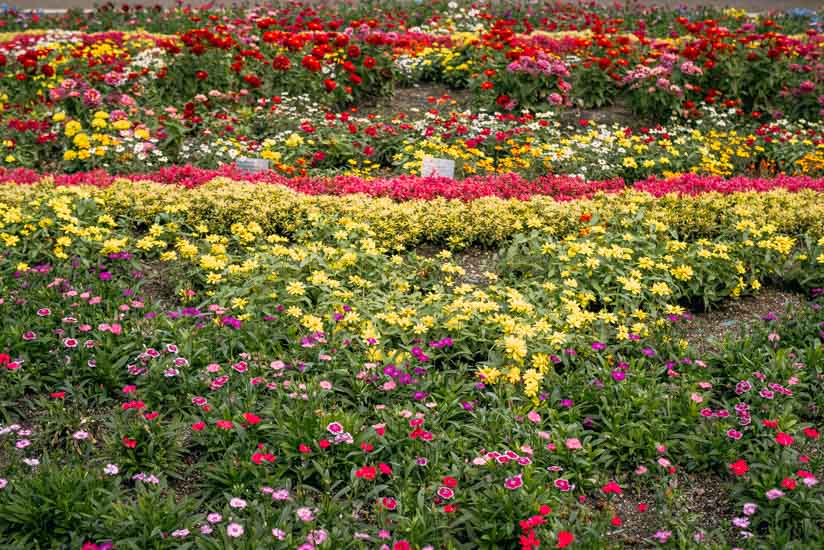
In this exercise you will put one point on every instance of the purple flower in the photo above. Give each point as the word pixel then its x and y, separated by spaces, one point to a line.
pixel 230 322
pixel 598 346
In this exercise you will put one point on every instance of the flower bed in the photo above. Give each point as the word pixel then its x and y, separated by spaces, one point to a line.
pixel 246 365
pixel 338 352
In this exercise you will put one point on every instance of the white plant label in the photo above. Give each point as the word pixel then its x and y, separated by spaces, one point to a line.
pixel 435 167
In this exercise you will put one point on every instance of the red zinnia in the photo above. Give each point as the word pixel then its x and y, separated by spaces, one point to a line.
pixel 198 426
pixel 789 483
pixel 310 63
pixel 450 482
pixel 201 75
pixel 281 63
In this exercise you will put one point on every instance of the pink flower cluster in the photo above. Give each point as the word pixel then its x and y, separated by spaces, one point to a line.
pixel 402 188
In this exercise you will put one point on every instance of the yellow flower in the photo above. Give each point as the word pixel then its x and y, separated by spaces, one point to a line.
pixel 296 288
pixel 294 140
pixel 515 348
pixel 72 127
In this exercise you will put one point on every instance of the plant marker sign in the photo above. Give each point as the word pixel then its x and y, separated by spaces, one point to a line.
pixel 252 165
pixel 439 168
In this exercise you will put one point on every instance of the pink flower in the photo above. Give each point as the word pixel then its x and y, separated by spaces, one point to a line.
pixel 533 417
pixel 513 483
pixel 662 536
pixel 563 485
pixel 773 494
pixel 446 493
pixel 334 427
pixel 234 530
pixel 572 443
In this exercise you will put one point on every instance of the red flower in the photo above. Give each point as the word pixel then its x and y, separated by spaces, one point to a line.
pixel 259 458
pixel 449 508
pixel 130 443
pixel 784 439
pixel 770 423
pixel 353 52
pixel 369 62
pixel 385 469
pixel 789 483
pixel 310 63
pixel 529 541
pixel 544 509
pixel 450 482
pixel 252 80
pixel 502 100
pixel 367 447
pixel 389 503
pixel 811 433
pixel 151 415
pixel 611 487
pixel 565 538
pixel 323 444
pixel 198 426
pixel 281 63
pixel 366 472
pixel 5 359
pixel 304 448
pixel 642 507
pixel 252 419
pixel 401 545
pixel 739 467
pixel 201 75
pixel 616 521
pixel 224 424
pixel 58 395
pixel 330 85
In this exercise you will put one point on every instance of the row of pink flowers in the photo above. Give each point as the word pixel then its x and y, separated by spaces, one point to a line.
pixel 507 186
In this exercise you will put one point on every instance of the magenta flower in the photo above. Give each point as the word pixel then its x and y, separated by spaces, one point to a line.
pixel 513 483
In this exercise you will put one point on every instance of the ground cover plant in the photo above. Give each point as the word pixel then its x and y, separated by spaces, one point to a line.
pixel 342 352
